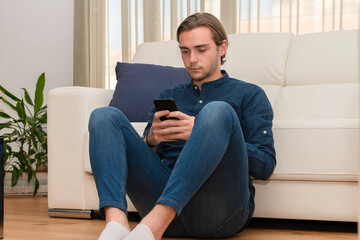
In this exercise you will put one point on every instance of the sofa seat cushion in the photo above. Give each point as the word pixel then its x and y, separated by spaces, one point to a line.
pixel 297 144
pixel 310 147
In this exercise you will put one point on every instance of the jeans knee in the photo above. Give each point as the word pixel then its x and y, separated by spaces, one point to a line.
pixel 101 117
pixel 217 112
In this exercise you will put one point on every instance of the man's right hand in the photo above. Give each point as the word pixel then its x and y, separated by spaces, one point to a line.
pixel 170 130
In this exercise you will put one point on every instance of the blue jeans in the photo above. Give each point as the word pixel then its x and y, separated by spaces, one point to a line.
pixel 208 186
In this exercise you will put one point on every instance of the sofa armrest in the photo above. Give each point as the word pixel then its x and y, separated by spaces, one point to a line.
pixel 69 109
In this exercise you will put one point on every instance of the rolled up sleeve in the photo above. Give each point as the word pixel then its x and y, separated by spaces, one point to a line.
pixel 257 116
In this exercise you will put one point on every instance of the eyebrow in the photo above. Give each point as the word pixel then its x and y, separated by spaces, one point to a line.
pixel 197 46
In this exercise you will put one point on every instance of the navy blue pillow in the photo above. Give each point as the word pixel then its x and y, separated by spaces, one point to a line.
pixel 139 84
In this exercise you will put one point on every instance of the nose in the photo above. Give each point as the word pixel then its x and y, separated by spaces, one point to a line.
pixel 193 57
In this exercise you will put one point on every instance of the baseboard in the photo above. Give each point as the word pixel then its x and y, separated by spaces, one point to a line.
pixel 303 225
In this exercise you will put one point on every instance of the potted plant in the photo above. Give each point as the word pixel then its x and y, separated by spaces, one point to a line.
pixel 25 138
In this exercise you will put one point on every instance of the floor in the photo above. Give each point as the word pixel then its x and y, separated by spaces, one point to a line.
pixel 27 218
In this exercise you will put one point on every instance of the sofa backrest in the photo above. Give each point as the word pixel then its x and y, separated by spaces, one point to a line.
pixel 160 53
pixel 323 58
pixel 312 76
pixel 259 58
pixel 321 78
pixel 256 58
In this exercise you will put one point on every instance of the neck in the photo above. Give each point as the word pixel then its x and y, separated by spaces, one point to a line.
pixel 215 77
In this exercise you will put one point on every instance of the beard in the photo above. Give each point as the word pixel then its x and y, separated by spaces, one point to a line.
pixel 205 73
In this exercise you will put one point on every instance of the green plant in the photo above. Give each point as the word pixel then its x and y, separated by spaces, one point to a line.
pixel 25 133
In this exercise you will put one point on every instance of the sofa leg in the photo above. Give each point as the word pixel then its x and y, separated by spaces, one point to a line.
pixel 70 213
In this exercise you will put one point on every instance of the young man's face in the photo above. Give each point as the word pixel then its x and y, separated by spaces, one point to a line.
pixel 201 56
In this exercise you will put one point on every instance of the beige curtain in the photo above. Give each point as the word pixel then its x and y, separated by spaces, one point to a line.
pixel 228 15
pixel 89 43
pixel 152 21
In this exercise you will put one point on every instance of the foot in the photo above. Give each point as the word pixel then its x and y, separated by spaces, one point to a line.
pixel 114 231
pixel 117 215
pixel 141 232
pixel 158 219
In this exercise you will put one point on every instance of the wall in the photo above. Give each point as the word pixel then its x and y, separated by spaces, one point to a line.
pixel 36 36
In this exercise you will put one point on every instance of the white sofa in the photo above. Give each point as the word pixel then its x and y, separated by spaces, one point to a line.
pixel 312 83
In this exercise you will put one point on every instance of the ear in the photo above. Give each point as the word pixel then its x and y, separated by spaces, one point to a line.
pixel 223 47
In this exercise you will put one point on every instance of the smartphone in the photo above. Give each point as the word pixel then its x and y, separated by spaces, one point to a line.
pixel 165 104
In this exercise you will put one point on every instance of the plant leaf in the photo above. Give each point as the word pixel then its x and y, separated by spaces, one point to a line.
pixel 31 121
pixel 6 125
pixel 14 176
pixel 43 118
pixel 27 97
pixel 22 160
pixel 37 184
pixel 33 142
pixel 8 148
pixel 39 134
pixel 29 172
pixel 39 96
pixel 8 103
pixel 21 111
pixel 7 93
pixel 4 115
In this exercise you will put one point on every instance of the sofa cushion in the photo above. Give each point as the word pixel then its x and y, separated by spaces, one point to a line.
pixel 166 53
pixel 258 58
pixel 323 101
pixel 138 84
pixel 272 92
pixel 323 58
pixel 314 148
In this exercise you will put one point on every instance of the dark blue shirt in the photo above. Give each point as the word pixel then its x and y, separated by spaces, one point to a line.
pixel 251 106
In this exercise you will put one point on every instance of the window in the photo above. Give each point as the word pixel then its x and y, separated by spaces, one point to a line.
pixel 131 22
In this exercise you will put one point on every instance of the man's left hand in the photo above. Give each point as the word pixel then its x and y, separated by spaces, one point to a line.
pixel 173 130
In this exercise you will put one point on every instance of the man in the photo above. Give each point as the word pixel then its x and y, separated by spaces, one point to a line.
pixel 188 177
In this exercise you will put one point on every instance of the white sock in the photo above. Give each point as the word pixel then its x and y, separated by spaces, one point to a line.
pixel 141 232
pixel 114 231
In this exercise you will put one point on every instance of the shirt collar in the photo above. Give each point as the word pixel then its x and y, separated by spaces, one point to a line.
pixel 214 83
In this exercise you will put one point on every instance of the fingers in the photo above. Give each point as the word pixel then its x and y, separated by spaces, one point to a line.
pixel 173 134
pixel 160 114
pixel 181 120
pixel 171 130
pixel 178 115
pixel 168 114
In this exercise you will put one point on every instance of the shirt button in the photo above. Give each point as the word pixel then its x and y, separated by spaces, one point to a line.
pixel 201 101
pixel 265 132
pixel 196 87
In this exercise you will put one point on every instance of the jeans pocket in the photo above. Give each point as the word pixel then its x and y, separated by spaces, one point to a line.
pixel 234 224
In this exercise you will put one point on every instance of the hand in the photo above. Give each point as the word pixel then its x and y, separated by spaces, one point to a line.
pixel 170 130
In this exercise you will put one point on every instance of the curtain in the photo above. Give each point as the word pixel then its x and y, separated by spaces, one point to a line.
pixel 89 43
pixel 131 22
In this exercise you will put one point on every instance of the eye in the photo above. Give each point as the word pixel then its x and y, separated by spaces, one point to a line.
pixel 184 51
pixel 202 50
